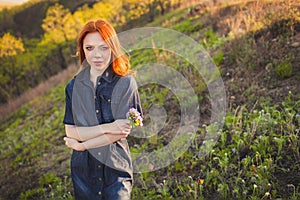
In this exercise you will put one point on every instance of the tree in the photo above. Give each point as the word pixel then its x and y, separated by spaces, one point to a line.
pixel 164 6
pixel 10 45
pixel 59 25
pixel 150 7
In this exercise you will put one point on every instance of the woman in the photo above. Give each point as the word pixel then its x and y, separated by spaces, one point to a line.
pixel 97 101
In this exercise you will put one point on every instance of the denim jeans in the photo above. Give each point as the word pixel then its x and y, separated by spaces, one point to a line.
pixel 94 180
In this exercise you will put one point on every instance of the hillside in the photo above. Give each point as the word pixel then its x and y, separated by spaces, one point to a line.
pixel 38 46
pixel 256 47
pixel 20 20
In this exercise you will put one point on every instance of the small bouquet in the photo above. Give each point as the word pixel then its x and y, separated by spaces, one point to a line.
pixel 135 117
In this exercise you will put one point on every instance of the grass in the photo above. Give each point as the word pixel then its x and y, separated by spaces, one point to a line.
pixel 254 147
pixel 256 156
pixel 33 142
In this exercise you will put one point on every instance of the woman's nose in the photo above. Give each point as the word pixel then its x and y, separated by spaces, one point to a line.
pixel 97 53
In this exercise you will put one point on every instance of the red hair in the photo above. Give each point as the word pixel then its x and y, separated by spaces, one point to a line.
pixel 120 62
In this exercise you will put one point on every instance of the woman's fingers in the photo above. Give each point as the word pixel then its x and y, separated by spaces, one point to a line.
pixel 123 123
pixel 69 141
pixel 126 132
pixel 121 126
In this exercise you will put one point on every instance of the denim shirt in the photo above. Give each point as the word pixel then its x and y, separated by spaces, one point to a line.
pixel 111 99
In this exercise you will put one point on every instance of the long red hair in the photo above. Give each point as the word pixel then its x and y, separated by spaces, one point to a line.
pixel 120 62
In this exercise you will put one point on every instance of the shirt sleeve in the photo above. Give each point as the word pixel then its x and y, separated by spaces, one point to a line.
pixel 68 118
pixel 134 101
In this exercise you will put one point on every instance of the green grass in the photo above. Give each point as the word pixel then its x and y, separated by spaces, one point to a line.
pixel 33 141
pixel 255 146
pixel 284 70
pixel 256 156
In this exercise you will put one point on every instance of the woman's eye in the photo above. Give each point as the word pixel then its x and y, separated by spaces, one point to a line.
pixel 89 48
pixel 104 48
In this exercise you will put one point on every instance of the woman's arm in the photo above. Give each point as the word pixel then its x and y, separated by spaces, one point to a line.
pixel 99 141
pixel 121 126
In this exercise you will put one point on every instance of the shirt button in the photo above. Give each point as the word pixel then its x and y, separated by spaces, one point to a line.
pixel 99 83
pixel 97 111
pixel 108 100
pixel 100 179
pixel 99 166
pixel 99 193
pixel 94 97
pixel 99 153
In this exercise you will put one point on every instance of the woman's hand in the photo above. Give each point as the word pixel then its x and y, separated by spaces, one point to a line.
pixel 74 144
pixel 115 137
pixel 120 126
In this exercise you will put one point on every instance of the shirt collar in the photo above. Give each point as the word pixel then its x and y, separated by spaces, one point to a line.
pixel 107 75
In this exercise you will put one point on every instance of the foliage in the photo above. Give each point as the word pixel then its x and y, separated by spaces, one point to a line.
pixel 33 144
pixel 284 70
pixel 187 27
pixel 61 27
pixel 10 45
pixel 218 58
pixel 254 147
pixel 58 25
pixel 212 41
pixel 51 188
pixel 21 72
pixel 20 20
pixel 256 157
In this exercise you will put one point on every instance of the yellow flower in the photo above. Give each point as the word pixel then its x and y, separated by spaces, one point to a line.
pixel 201 181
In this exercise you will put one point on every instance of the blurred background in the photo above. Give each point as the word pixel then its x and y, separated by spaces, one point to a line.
pixel 256 46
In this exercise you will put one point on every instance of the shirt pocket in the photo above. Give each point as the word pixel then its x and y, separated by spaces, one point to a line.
pixel 119 107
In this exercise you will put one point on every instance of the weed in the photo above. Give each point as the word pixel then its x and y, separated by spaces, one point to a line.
pixel 284 70
pixel 218 58
pixel 187 27
pixel 51 187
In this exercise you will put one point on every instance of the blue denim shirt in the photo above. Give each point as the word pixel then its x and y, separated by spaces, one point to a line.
pixel 110 100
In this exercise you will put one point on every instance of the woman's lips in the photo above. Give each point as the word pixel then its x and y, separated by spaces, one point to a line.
pixel 98 63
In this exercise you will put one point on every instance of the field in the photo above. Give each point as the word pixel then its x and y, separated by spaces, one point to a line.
pixel 255 154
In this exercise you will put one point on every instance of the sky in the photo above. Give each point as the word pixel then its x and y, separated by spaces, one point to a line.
pixel 12 1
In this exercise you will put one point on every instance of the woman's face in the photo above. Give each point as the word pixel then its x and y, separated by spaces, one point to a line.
pixel 97 52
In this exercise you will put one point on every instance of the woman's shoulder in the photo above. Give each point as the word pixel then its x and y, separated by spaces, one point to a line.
pixel 79 75
pixel 126 82
pixel 70 84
